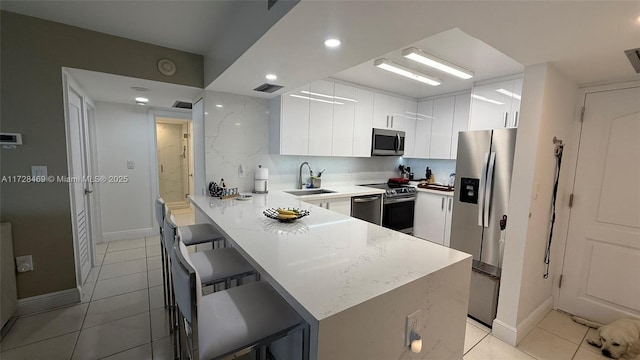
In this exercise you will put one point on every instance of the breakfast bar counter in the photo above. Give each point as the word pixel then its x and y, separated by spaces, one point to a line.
pixel 353 282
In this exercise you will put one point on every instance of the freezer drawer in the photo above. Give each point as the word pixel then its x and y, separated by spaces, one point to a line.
pixel 483 298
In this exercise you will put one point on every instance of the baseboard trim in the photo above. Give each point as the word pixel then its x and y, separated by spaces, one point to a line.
pixel 48 301
pixel 513 336
pixel 128 234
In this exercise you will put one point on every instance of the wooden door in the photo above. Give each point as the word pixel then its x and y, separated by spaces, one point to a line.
pixel 601 274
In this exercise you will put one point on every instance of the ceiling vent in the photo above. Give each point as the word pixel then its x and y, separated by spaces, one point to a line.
pixel 182 105
pixel 634 57
pixel 268 88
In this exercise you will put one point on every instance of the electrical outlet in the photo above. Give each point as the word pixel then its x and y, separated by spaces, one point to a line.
pixel 412 325
pixel 24 263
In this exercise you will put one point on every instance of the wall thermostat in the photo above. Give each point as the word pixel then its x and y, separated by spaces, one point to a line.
pixel 10 139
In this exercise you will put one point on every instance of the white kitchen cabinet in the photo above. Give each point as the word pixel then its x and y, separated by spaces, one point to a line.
pixel 407 123
pixel 432 220
pixel 423 129
pixel 293 129
pixel 460 120
pixel 339 205
pixel 388 111
pixel 321 118
pixel 362 122
pixel 441 128
pixel 343 120
pixel 495 105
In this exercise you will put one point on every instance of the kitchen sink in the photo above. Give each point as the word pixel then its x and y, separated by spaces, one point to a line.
pixel 309 192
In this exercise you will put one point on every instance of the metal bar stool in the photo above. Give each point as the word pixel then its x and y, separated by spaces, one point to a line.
pixel 223 323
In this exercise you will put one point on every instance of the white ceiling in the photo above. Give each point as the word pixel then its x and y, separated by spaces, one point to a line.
pixel 118 89
pixel 583 39
pixel 469 53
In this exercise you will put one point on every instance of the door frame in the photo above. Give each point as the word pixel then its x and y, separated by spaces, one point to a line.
pixel 189 170
pixel 153 114
pixel 569 168
pixel 86 103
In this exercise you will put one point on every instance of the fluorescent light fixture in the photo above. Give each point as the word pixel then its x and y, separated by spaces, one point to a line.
pixel 486 99
pixel 332 43
pixel 218 105
pixel 509 93
pixel 271 77
pixel 142 99
pixel 328 96
pixel 401 70
pixel 314 99
pixel 422 57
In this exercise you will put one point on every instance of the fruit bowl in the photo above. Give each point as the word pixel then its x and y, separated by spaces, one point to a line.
pixel 285 215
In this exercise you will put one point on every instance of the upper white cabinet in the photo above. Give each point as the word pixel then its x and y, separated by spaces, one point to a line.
pixel 423 129
pixel 344 120
pixel 407 123
pixel 321 107
pixel 460 121
pixel 322 119
pixel 388 111
pixel 294 123
pixel 437 126
pixel 362 122
pixel 441 128
pixel 496 105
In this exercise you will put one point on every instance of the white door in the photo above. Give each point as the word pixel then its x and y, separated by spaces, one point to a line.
pixel 601 274
pixel 79 186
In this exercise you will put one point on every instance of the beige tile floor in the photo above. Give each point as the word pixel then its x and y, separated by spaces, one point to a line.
pixel 121 316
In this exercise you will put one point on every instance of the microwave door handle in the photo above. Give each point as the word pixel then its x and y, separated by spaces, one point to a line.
pixel 488 197
pixel 397 142
pixel 481 190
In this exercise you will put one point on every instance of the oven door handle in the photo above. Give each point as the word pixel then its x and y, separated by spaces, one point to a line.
pixel 399 200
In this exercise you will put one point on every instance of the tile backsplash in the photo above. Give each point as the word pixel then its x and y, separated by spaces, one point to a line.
pixel 236 141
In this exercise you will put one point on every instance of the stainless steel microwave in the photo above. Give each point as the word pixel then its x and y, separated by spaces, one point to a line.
pixel 385 142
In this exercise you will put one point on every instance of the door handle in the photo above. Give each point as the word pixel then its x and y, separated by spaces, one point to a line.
pixel 396 143
pixel 87 191
pixel 487 200
pixel 481 189
pixel 365 199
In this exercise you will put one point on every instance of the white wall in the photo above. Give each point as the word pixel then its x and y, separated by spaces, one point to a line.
pixel 547 110
pixel 124 132
pixel 238 134
pixel 440 168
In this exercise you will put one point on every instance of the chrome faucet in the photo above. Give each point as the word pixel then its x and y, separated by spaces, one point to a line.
pixel 300 181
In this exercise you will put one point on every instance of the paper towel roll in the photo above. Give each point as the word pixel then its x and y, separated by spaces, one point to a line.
pixel 261 173
pixel 260 186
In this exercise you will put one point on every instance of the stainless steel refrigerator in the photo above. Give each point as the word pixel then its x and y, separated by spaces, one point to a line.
pixel 483 179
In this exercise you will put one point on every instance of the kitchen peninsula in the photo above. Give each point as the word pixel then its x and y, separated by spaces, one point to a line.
pixel 352 281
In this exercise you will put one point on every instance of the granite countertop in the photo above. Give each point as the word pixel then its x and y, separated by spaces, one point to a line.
pixel 326 262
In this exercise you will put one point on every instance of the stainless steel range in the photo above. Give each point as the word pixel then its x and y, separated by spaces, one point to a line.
pixel 398 204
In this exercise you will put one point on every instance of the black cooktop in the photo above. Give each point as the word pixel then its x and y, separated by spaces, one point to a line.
pixel 392 190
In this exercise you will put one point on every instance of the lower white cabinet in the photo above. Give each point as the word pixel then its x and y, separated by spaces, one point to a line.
pixel 432 220
pixel 339 205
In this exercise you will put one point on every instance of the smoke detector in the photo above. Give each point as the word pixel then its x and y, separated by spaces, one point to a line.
pixel 268 88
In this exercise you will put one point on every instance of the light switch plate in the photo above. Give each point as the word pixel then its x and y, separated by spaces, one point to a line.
pixel 39 170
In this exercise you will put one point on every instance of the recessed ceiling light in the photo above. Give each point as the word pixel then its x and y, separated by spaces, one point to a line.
pixel 218 105
pixel 271 77
pixel 206 113
pixel 332 43
pixel 142 99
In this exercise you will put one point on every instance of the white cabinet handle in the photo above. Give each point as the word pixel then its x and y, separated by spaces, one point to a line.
pixel 450 203
pixel 515 123
pixel 387 120
pixel 506 116
pixel 391 121
pixel 442 204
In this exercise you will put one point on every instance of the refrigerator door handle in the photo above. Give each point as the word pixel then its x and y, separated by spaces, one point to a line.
pixel 481 190
pixel 487 198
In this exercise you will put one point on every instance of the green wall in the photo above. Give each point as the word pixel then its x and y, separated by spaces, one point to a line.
pixel 32 53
